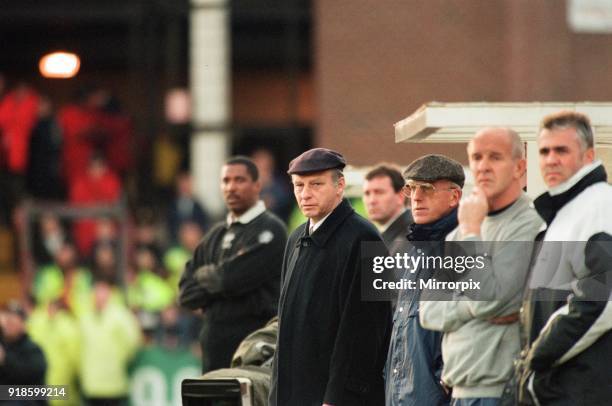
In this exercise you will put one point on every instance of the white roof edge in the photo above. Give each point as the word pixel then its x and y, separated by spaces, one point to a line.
pixel 457 122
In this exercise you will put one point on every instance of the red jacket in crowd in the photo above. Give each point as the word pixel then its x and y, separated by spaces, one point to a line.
pixel 90 189
pixel 18 116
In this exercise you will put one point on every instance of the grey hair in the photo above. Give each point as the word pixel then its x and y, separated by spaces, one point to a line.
pixel 571 119
pixel 336 174
pixel 518 149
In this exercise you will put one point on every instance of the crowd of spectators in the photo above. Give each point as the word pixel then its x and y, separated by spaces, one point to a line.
pixel 86 311
pixel 99 290
pixel 96 296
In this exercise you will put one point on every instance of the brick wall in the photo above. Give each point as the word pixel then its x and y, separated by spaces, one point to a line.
pixel 376 61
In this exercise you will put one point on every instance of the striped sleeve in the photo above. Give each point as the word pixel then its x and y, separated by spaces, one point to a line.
pixel 586 316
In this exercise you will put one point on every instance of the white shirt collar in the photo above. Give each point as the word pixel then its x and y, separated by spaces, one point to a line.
pixel 248 215
pixel 568 184
pixel 312 228
pixel 382 228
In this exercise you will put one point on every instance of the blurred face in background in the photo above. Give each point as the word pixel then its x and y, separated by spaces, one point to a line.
pixel 190 235
pixel 105 229
pixel 45 107
pixel 50 224
pixel 105 257
pixel 66 256
pixel 145 260
pixel 240 191
pixel 97 167
pixel 382 202
pixel 105 263
pixel 169 316
pixel 102 293
pixel 265 163
pixel 317 194
pixel 184 185
pixel 52 233
pixel 146 234
pixel 13 326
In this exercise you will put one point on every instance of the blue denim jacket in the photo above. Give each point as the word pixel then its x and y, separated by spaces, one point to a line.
pixel 414 362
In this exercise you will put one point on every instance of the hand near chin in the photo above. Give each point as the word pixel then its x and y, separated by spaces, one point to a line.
pixel 472 211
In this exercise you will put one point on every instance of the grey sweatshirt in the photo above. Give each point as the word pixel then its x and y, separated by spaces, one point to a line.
pixel 478 355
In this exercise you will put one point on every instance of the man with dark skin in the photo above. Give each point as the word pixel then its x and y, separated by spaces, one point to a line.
pixel 234 273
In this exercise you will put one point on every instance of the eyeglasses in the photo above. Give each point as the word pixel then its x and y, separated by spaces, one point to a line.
pixel 426 188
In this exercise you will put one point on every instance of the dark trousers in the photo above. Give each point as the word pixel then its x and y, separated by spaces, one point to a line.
pixel 219 340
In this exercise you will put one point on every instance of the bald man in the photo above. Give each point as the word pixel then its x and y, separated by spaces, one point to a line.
pixel 481 337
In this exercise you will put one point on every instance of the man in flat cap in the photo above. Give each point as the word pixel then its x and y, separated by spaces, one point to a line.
pixel 414 361
pixel 332 345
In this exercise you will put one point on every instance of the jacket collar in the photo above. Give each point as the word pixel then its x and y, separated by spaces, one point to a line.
pixel 323 234
pixel 549 203
pixel 384 227
pixel 399 224
pixel 435 231
pixel 248 215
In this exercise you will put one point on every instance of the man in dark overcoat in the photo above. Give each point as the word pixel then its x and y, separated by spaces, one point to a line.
pixel 332 345
pixel 234 273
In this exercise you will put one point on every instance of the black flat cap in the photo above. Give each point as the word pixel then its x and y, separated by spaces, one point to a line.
pixel 316 160
pixel 430 168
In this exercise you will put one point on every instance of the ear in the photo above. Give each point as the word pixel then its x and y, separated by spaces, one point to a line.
pixel 401 198
pixel 257 186
pixel 341 184
pixel 520 168
pixel 589 155
pixel 455 197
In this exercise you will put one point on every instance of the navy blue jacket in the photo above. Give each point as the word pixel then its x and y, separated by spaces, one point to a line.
pixel 414 363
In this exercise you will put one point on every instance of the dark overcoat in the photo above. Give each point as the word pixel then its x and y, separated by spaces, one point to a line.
pixel 395 235
pixel 395 240
pixel 332 345
pixel 241 292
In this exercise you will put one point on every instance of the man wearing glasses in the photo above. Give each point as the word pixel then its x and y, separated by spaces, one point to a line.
pixel 414 361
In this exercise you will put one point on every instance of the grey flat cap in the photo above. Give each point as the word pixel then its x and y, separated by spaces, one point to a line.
pixel 430 168
pixel 316 160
